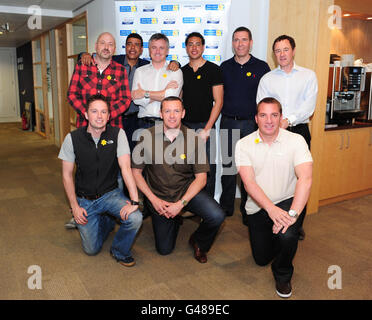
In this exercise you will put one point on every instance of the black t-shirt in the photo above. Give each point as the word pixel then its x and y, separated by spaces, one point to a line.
pixel 197 90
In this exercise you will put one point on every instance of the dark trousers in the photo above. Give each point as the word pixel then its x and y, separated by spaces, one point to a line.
pixel 130 124
pixel 202 205
pixel 279 248
pixel 147 122
pixel 228 180
pixel 211 154
pixel 303 130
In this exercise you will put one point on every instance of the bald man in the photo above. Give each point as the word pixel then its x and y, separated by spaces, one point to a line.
pixel 105 77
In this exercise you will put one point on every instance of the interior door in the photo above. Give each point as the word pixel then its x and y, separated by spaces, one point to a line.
pixel 8 96
pixel 63 82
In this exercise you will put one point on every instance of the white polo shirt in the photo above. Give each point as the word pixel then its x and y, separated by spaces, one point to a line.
pixel 151 79
pixel 273 165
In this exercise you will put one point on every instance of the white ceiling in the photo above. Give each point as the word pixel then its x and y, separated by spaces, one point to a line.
pixel 16 13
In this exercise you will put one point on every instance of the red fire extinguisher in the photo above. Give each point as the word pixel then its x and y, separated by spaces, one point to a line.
pixel 24 121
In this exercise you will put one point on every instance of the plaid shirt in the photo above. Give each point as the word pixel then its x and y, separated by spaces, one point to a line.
pixel 112 83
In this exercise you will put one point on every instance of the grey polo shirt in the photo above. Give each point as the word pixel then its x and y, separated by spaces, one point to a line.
pixel 67 149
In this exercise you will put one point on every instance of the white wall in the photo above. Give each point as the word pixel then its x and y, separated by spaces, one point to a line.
pixel 9 99
pixel 101 18
pixel 253 14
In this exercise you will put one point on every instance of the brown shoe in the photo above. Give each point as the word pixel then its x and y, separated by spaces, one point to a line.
pixel 301 234
pixel 198 254
pixel 283 289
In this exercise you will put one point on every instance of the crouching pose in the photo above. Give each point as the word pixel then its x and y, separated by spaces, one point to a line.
pixel 170 168
pixel 276 168
pixel 99 151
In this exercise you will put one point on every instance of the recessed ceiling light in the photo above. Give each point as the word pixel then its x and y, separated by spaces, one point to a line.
pixel 1 32
pixel 369 18
pixel 347 15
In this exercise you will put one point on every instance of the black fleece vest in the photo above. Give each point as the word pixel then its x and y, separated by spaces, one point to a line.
pixel 96 167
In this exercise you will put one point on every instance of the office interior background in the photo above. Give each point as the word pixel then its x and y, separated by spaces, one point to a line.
pixel 36 65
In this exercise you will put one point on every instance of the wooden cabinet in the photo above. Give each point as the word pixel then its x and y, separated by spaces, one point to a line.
pixel 367 172
pixel 346 162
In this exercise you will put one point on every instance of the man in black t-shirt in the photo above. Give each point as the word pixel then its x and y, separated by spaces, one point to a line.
pixel 202 94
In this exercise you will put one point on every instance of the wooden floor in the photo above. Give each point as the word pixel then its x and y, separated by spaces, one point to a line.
pixel 34 209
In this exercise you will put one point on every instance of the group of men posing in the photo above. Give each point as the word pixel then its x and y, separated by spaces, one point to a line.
pixel 151 125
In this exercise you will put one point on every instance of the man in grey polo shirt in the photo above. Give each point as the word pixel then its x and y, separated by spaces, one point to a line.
pixel 276 168
pixel 99 151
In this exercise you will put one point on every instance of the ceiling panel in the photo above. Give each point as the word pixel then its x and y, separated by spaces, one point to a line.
pixel 20 33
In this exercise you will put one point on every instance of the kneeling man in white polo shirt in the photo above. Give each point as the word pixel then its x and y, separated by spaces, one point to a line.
pixel 276 168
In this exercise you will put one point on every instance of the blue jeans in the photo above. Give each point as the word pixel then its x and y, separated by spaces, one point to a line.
pixel 228 179
pixel 102 213
pixel 202 205
pixel 211 154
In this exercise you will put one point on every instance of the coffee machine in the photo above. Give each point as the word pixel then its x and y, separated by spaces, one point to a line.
pixel 345 85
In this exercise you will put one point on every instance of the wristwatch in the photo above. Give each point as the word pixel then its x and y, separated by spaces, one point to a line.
pixel 134 203
pixel 147 94
pixel 292 213
pixel 184 202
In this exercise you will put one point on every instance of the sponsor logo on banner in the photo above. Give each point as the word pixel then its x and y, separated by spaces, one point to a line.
pixel 170 7
pixel 213 20
pixel 192 6
pixel 169 21
pixel 128 9
pixel 127 21
pixel 212 45
pixel 125 33
pixel 215 7
pixel 172 57
pixel 213 32
pixel 148 8
pixel 212 57
pixel 170 33
pixel 148 21
pixel 191 20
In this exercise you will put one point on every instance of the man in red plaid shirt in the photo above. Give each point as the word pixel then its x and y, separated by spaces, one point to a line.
pixel 105 77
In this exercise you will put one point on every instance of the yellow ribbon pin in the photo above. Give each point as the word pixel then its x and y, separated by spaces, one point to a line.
pixel 103 142
pixel 183 156
pixel 198 77
pixel 249 74
pixel 257 141
pixel 164 75
pixel 108 77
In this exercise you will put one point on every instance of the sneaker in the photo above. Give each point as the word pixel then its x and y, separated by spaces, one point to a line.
pixel 71 224
pixel 126 262
pixel 283 289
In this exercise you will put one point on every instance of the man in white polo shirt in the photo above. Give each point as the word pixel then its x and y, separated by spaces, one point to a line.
pixel 276 168
pixel 154 82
